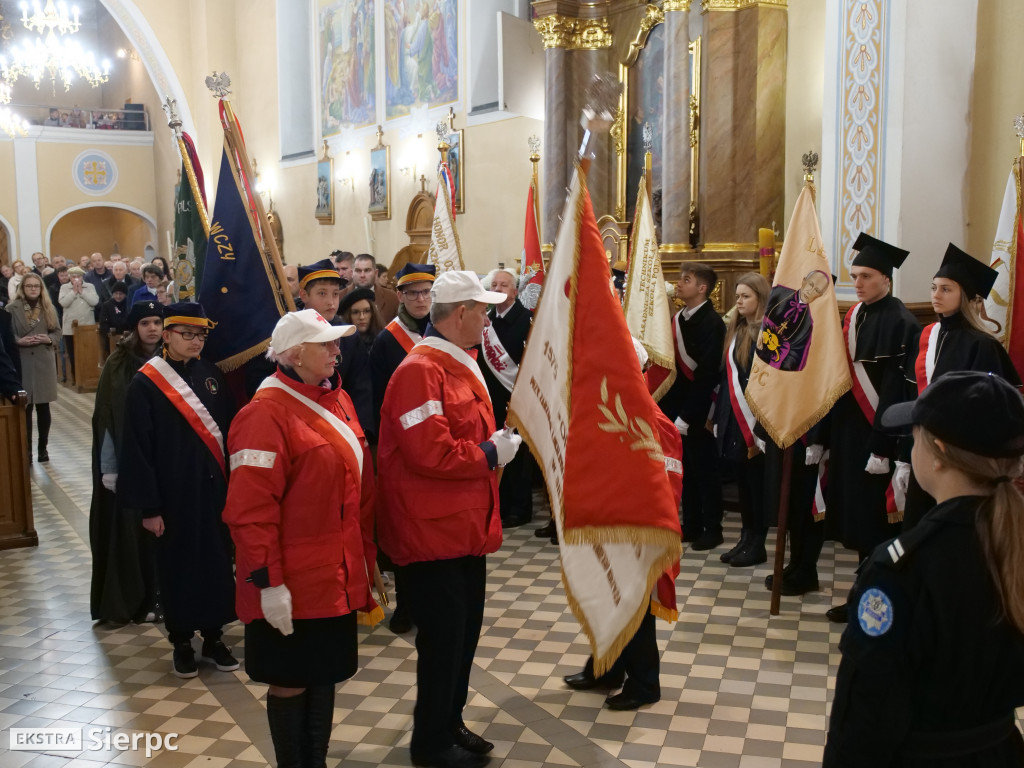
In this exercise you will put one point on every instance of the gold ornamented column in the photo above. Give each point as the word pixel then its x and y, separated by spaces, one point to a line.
pixel 743 125
pixel 675 176
pixel 557 32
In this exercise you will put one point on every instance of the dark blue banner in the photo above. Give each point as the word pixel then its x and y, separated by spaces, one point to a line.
pixel 237 289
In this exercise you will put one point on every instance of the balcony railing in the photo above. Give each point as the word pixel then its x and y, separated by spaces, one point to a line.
pixel 132 118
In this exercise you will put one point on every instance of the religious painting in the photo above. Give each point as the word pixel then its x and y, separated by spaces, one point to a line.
pixel 421 54
pixel 645 105
pixel 325 188
pixel 380 183
pixel 456 166
pixel 347 70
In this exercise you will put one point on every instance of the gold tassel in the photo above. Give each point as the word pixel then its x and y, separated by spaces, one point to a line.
pixel 663 612
pixel 371 619
pixel 895 517
pixel 819 516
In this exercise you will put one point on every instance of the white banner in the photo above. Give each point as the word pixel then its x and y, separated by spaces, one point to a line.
pixel 444 251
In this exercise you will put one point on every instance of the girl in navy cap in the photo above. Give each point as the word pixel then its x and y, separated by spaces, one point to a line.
pixel 933 653
pixel 960 341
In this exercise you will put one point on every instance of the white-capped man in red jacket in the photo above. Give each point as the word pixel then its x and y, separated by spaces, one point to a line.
pixel 438 508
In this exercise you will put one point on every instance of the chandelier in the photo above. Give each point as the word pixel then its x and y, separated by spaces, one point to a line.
pixel 5 93
pixel 52 58
pixel 50 18
pixel 12 124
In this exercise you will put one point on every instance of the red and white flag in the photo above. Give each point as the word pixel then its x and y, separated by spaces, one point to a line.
pixel 444 251
pixel 582 405
pixel 1005 304
pixel 648 314
pixel 532 277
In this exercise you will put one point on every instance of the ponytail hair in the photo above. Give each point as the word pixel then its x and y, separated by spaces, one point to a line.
pixel 1000 519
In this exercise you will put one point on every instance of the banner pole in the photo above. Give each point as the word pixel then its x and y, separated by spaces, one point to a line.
pixel 780 534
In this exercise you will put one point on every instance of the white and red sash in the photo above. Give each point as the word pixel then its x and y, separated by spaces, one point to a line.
pixel 863 390
pixel 456 361
pixel 741 410
pixel 498 359
pixel 330 427
pixel 818 506
pixel 928 349
pixel 188 404
pixel 686 364
pixel 866 396
pixel 407 338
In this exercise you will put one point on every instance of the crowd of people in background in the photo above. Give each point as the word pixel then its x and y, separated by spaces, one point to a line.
pixel 340 416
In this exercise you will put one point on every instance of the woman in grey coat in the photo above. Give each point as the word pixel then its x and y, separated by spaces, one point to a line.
pixel 37 334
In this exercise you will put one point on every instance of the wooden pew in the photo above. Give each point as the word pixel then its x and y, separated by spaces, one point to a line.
pixel 17 528
pixel 87 357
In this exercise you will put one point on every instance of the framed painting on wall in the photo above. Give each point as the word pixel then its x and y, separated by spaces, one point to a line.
pixel 325 188
pixel 421 55
pixel 380 182
pixel 347 64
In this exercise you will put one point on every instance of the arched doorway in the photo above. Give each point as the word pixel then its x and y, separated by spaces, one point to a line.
pixel 106 229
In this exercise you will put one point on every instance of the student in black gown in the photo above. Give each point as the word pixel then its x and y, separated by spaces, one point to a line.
pixel 880 333
pixel 933 655
pixel 959 341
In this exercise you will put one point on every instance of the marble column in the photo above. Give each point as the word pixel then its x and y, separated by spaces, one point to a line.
pixel 675 184
pixel 554 154
pixel 743 111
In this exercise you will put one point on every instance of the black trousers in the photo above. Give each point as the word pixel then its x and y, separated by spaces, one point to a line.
pixel 806 536
pixel 749 475
pixel 639 662
pixel 516 489
pixel 447 602
pixel 702 487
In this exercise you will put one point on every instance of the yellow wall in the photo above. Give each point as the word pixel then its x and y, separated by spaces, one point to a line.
pixel 805 80
pixel 86 231
pixel 8 192
pixel 998 74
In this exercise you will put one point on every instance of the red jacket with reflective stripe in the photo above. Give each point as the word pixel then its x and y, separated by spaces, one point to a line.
pixel 291 502
pixel 437 498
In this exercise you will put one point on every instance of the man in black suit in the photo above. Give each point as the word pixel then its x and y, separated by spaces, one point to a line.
pixel 499 357
pixel 699 340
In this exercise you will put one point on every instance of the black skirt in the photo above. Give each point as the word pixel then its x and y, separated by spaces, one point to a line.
pixel 318 652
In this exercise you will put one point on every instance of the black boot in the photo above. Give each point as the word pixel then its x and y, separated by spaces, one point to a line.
pixel 319 721
pixel 287 718
pixel 728 556
pixel 753 553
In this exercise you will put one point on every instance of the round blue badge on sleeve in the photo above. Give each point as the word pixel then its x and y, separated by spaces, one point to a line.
pixel 874 612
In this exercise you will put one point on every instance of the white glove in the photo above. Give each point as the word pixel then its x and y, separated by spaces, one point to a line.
pixel 682 426
pixel 276 603
pixel 901 477
pixel 109 481
pixel 760 444
pixel 507 442
pixel 877 465
pixel 813 454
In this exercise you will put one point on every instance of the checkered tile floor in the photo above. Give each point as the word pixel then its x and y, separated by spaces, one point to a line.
pixel 739 689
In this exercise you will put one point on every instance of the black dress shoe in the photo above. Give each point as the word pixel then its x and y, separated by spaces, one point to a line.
pixel 753 553
pixel 43 455
pixel 401 621
pixel 585 681
pixel 470 742
pixel 707 541
pixel 770 578
pixel 626 701
pixel 794 585
pixel 744 538
pixel 546 531
pixel 514 521
pixel 452 757
pixel 838 614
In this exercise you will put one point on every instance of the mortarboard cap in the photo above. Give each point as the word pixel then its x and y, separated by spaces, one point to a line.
pixel 975 277
pixel 876 254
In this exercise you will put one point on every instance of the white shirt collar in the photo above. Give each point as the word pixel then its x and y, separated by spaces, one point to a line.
pixel 688 313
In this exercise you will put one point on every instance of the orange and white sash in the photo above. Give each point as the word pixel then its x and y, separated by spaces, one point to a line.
pixel 188 404
pixel 407 338
pixel 924 367
pixel 863 390
pixel 456 361
pixel 330 427
pixel 740 408
pixel 686 363
pixel 498 359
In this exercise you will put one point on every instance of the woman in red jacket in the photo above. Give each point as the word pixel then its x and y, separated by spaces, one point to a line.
pixel 300 509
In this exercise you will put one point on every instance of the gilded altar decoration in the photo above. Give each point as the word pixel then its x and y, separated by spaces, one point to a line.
pixel 574 34
pixel 739 5
pixel 682 6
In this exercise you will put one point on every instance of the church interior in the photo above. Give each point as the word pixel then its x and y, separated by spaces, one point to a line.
pixel 900 112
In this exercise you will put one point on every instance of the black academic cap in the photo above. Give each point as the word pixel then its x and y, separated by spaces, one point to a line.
pixel 973 276
pixel 876 254
pixel 979 412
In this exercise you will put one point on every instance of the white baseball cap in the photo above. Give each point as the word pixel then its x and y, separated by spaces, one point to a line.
pixel 304 326
pixel 455 286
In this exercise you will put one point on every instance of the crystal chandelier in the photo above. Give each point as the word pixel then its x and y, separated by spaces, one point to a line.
pixel 50 18
pixel 5 93
pixel 52 58
pixel 12 124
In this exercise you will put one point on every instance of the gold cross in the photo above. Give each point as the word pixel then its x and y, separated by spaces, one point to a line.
pixel 95 173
